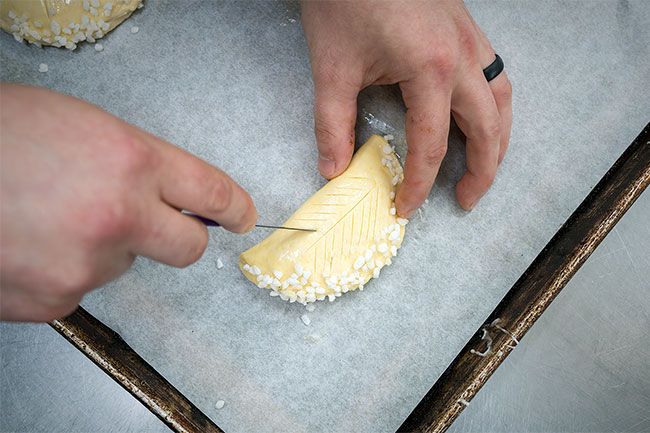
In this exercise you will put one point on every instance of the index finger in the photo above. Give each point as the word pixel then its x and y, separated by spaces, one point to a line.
pixel 187 182
pixel 427 131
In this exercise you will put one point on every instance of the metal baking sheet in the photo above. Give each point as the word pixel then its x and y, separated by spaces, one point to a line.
pixel 230 83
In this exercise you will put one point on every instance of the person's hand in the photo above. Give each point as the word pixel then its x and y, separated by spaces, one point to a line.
pixel 436 52
pixel 83 193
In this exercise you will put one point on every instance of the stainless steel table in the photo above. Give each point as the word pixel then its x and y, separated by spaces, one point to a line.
pixel 583 366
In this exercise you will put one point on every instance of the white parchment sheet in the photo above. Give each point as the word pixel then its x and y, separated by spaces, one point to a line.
pixel 231 83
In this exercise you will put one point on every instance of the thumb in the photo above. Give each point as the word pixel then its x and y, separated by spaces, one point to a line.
pixel 335 112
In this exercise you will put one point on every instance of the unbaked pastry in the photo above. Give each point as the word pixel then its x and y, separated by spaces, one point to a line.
pixel 358 233
pixel 63 23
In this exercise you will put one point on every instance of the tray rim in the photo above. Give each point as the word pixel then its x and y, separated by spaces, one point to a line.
pixel 523 304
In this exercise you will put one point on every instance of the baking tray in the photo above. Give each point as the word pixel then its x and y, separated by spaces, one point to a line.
pixel 505 327
pixel 237 93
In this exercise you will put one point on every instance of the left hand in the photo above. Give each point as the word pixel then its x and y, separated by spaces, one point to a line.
pixel 436 52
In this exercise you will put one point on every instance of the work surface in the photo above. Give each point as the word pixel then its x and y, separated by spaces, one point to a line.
pixel 238 94
pixel 580 368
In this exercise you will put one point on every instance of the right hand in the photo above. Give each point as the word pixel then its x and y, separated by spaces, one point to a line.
pixel 83 193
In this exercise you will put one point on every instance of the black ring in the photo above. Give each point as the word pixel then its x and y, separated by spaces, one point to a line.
pixel 494 69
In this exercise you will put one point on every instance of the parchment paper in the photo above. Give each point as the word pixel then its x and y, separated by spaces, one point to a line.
pixel 231 83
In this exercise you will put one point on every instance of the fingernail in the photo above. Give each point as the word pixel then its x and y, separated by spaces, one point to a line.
pixel 472 205
pixel 327 167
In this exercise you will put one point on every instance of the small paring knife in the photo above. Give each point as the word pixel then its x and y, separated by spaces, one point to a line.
pixel 210 223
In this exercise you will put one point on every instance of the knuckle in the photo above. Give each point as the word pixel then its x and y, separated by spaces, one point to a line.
pixel 441 61
pixel 131 155
pixel 324 130
pixel 107 221
pixel 434 155
pixel 489 131
pixel 431 156
pixel 467 38
pixel 220 195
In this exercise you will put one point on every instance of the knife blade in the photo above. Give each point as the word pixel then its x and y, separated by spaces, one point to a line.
pixel 211 223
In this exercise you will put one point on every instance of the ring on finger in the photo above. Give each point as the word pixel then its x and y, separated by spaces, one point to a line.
pixel 493 69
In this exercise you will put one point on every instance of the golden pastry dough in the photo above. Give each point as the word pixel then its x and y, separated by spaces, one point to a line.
pixel 63 23
pixel 357 233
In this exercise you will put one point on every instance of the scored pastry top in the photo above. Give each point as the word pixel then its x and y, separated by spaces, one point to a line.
pixel 357 233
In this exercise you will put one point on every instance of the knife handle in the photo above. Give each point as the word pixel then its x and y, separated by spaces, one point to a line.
pixel 208 222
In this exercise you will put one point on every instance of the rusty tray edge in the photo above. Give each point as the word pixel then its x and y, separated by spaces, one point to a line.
pixel 111 353
pixel 534 291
